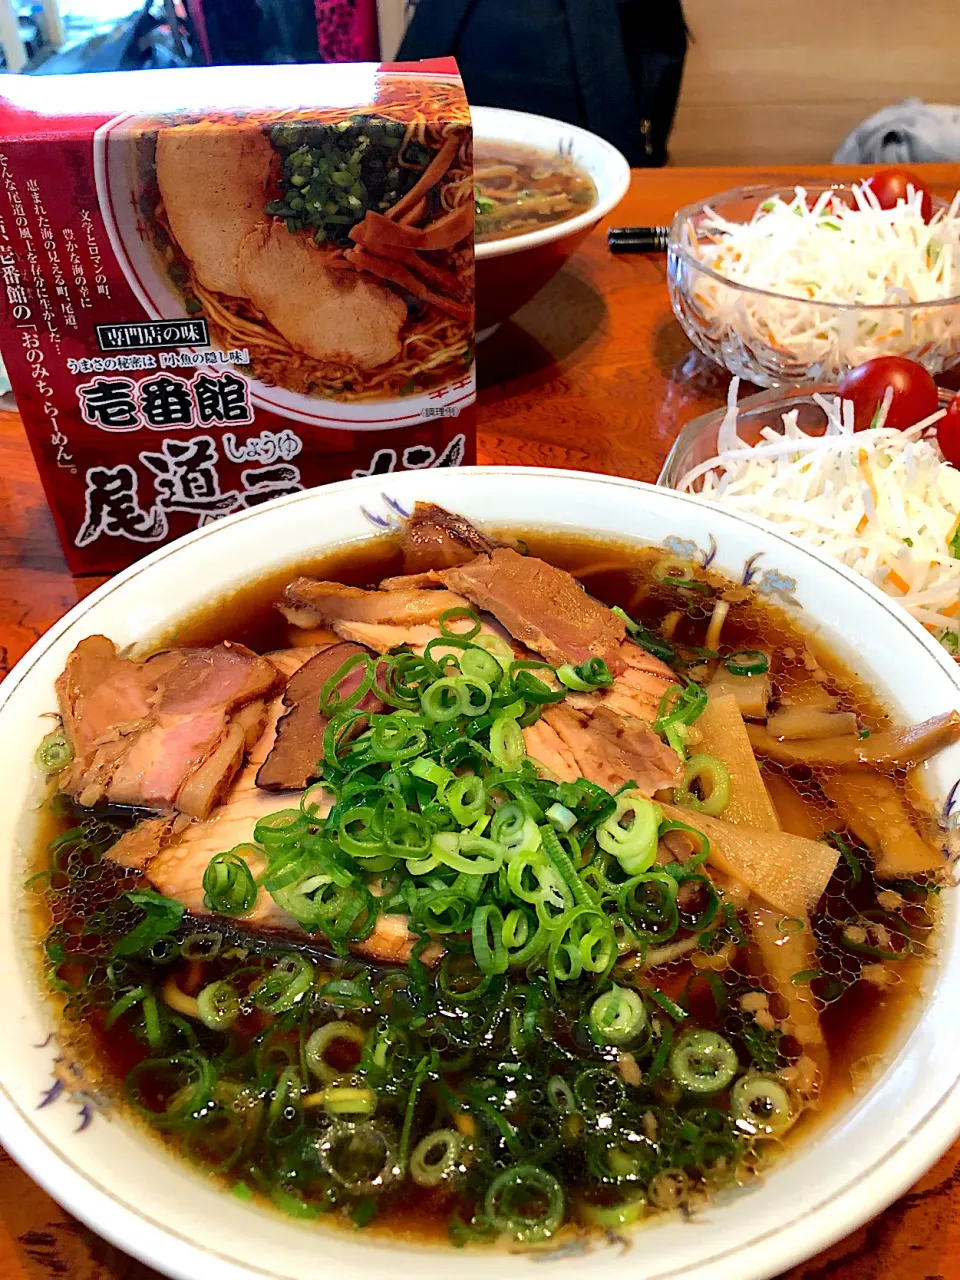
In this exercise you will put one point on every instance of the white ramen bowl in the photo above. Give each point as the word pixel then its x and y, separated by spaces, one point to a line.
pixel 126 1186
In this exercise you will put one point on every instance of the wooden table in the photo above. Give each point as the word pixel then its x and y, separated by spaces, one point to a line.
pixel 596 374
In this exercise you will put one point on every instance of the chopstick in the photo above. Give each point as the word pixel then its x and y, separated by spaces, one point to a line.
pixel 638 239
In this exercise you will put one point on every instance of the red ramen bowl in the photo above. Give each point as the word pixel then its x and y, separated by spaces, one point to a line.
pixel 511 270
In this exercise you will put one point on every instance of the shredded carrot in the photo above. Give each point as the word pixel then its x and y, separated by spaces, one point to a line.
pixel 867 475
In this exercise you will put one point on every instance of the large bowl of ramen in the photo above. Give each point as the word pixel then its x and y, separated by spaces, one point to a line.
pixel 541 187
pixel 564 974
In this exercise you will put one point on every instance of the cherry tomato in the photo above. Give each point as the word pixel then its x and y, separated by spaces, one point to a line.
pixel 948 432
pixel 914 392
pixel 890 186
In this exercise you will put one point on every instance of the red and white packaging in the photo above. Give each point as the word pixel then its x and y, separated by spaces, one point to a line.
pixel 223 285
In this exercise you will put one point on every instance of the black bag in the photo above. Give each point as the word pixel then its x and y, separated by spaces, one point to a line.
pixel 612 66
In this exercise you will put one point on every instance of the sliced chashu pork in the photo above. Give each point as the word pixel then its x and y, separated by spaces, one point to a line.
pixel 543 607
pixel 309 602
pixel 605 747
pixel 433 538
pixel 381 619
pixel 617 746
pixel 322 307
pixel 214 178
pixel 168 733
pixel 173 854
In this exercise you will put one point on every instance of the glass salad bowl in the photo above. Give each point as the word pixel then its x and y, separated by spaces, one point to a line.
pixel 774 339
pixel 697 441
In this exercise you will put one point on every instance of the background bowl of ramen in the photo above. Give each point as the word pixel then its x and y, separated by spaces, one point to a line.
pixel 127 1186
pixel 511 270
pixel 161 215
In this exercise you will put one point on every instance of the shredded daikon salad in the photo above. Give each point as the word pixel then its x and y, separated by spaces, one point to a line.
pixel 882 501
pixel 828 251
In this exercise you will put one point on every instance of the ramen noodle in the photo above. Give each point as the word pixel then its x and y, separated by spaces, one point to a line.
pixel 223 289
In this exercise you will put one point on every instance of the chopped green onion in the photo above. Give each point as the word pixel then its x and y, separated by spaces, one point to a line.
pixel 125 1003
pixel 617 1017
pixel 281 828
pixel 525 1203
pixel 321 1040
pixel 631 833
pixel 454 851
pixel 615 1215
pixel 455 615
pixel 674 572
pixel 560 1095
pixel 488 924
pixel 645 638
pixel 228 884
pixel 680 705
pixel 805 975
pixel 849 857
pixel 507 746
pixel 54 752
pixel 170 1091
pixel 285 985
pixel 561 817
pixel 480 665
pixel 590 675
pixel 218 1005
pixel 699 769
pixel 435 1157
pixel 703 1062
pixel 747 662
pixel 427 769
pixel 331 700
pixel 359 1156
pixel 761 1107
pixel 467 799
pixel 201 946
pixel 497 648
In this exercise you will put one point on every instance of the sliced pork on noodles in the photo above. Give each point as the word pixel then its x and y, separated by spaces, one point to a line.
pixel 483 889
pixel 169 733
pixel 322 309
pixel 212 182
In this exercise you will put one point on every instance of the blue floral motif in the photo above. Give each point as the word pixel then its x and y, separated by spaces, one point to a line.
pixel 951 817
pixel 772 582
pixel 391 521
pixel 749 570
pixel 684 548
pixel 775 583
pixel 687 549
pixel 66 1083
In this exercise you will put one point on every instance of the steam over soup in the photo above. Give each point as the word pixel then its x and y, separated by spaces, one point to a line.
pixel 423 890
pixel 520 189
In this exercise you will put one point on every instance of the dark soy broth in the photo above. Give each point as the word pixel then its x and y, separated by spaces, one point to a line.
pixel 483 1069
pixel 521 189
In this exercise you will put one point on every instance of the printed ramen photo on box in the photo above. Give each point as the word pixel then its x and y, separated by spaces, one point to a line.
pixel 217 295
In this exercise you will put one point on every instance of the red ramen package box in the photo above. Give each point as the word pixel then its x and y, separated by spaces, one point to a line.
pixel 225 285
